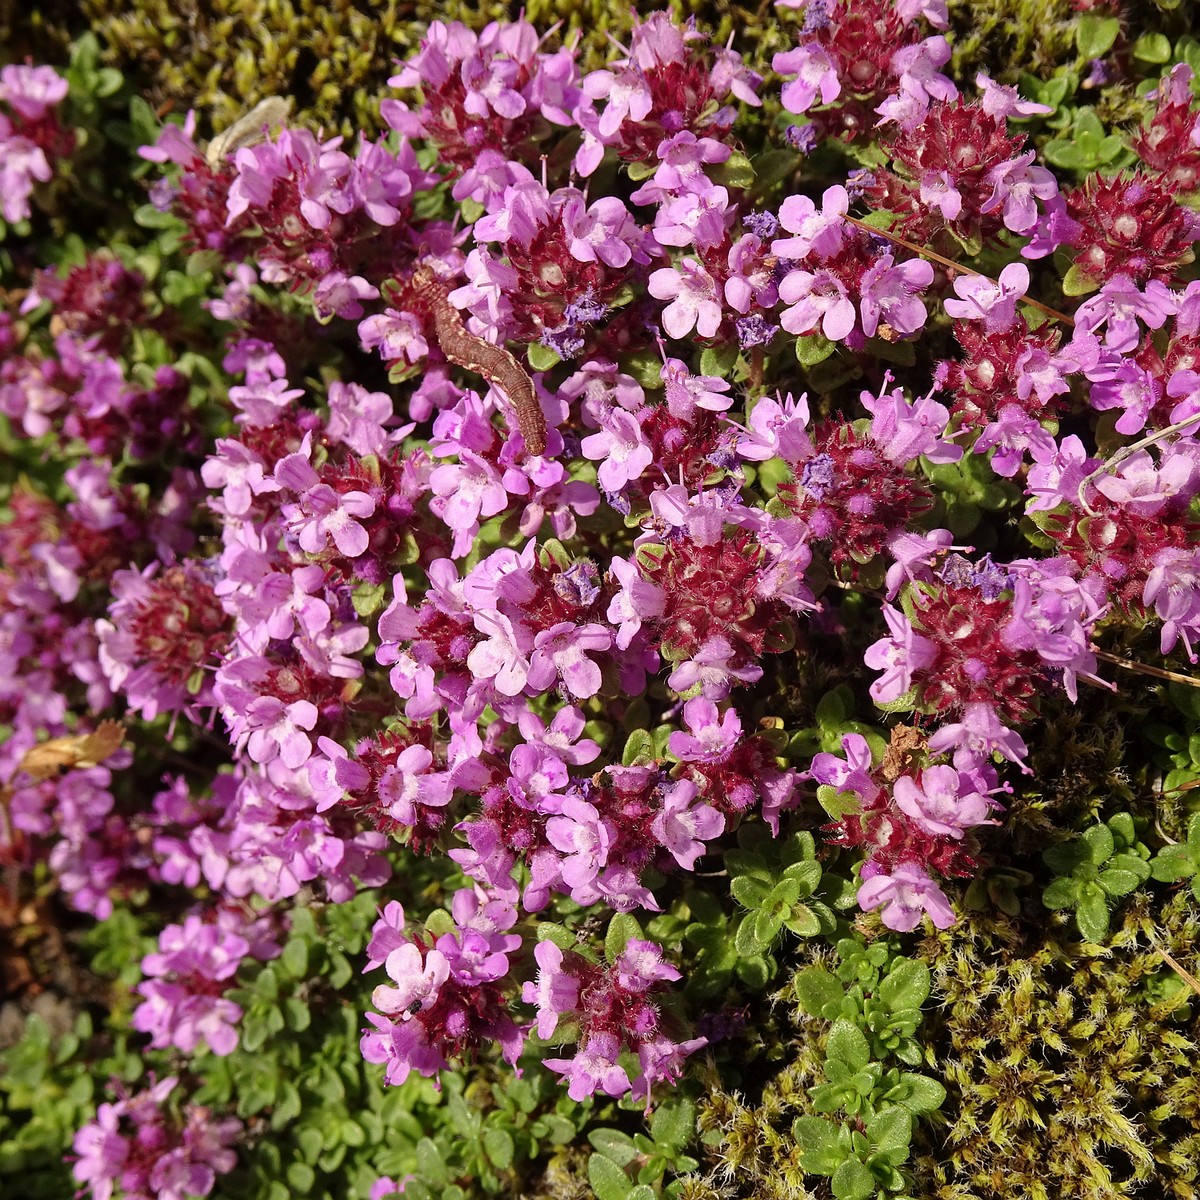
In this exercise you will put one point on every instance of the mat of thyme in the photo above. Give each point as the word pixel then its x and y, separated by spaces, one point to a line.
pixel 605 606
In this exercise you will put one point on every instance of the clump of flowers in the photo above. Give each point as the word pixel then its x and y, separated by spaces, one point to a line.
pixel 31 138
pixel 150 1151
pixel 613 1013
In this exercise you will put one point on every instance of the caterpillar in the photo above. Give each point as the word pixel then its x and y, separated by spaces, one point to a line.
pixel 472 353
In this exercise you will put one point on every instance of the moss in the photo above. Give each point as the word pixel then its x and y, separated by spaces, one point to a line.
pixel 1008 37
pixel 1069 1068
pixel 223 57
pixel 1080 760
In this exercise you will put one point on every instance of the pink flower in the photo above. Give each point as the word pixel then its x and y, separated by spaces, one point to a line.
pixel 943 804
pixel 817 231
pixel 817 299
pixel 888 294
pixel 693 296
pixel 685 824
pixel 899 656
pixel 905 894
pixel 993 303
pixel 561 652
pixel 398 336
pixel 817 75
pixel 501 656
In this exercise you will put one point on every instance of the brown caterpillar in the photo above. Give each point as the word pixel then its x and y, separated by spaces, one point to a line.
pixel 472 353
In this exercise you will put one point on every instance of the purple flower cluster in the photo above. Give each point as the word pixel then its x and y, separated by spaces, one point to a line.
pixel 139 1145
pixel 446 997
pixel 196 962
pixel 31 139
pixel 610 1010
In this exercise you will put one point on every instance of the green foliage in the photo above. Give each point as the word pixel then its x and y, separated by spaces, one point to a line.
pixel 45 1098
pixel 1084 145
pixel 780 894
pixel 634 1168
pixel 1104 864
pixel 836 1107
pixel 1182 860
pixel 873 990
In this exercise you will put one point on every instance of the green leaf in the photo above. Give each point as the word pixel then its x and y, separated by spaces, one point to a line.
pixel 608 1181
pixel 749 892
pixel 149 217
pixel 813 348
pixel 1062 893
pixel 767 924
pixel 748 862
pixel 1193 836
pixel 340 970
pixel 1099 843
pixel 430 1163
pixel 1123 829
pixel 837 804
pixel 614 1144
pixel 906 985
pixel 499 1147
pixel 719 360
pixel 674 1124
pixel 804 922
pixel 807 874
pixel 824 1149
pixel 852 1181
pixel 311 1142
pixel 1133 863
pixel 465 1119
pixel 301 1177
pixel 848 1044
pixel 1117 882
pixel 736 171
pixel 1078 282
pixel 255 1031
pixel 621 928
pixel 1091 916
pixel 1173 863
pixel 1095 35
pixel 368 598
pixel 921 1094
pixel 296 1014
pixel 756 970
pixel 639 747
pixel 746 940
pixel 295 958
pixel 560 935
pixel 541 357
pixel 816 989
pixel 287 1106
pixel 890 1132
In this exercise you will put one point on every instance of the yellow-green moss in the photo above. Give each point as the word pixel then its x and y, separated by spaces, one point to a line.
pixel 1070 1068
pixel 1006 37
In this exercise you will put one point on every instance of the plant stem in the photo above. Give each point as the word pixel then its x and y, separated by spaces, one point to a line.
pixel 951 265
